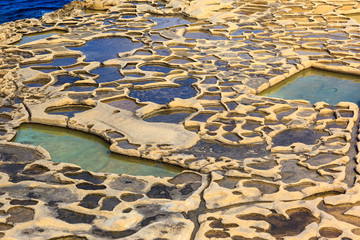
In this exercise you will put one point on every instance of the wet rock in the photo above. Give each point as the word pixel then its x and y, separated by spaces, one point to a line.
pixel 110 203
pixel 23 202
pixel 89 186
pixel 217 234
pixel 185 177
pixel 20 214
pixel 87 176
pixel 112 234
pixel 17 154
pixel 305 136
pixel 12 169
pixel 130 197
pixel 36 169
pixel 127 183
pixel 69 237
pixel 330 232
pixel 74 217
pixel 281 226
pixel 160 191
pixel 209 149
pixel 47 194
pixel 4 226
pixel 91 201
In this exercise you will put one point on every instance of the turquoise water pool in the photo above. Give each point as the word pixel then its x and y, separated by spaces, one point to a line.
pixel 317 85
pixel 88 151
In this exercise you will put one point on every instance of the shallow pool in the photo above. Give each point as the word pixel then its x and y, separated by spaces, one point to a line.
pixel 166 22
pixel 37 36
pixel 318 85
pixel 88 151
pixel 102 49
pixel 166 95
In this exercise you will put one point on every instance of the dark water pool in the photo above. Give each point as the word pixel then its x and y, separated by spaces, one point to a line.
pixel 166 95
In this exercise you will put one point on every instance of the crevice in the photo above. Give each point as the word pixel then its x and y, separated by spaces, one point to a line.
pixel 28 111
pixel 194 215
pixel 242 204
pixel 350 173
pixel 67 122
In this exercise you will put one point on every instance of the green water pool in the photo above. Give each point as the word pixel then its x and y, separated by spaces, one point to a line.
pixel 317 85
pixel 88 151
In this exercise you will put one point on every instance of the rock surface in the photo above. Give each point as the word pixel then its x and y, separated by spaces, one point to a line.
pixel 176 81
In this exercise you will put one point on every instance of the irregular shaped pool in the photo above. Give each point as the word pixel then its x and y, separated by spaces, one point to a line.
pixel 156 68
pixel 166 95
pixel 102 49
pixel 88 151
pixel 36 36
pixel 318 85
pixel 61 80
pixel 168 116
pixel 56 62
pixel 203 35
pixel 107 74
pixel 165 22
pixel 242 31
